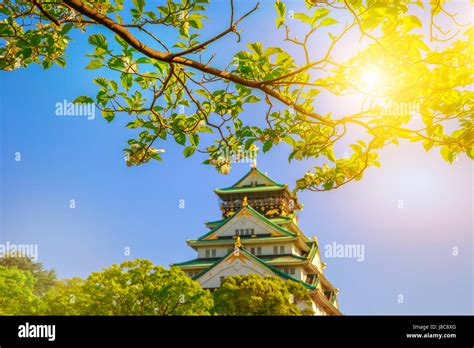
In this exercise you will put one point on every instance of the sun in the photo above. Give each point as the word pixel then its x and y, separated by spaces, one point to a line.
pixel 371 80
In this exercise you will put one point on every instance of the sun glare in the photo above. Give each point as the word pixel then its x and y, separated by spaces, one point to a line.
pixel 371 80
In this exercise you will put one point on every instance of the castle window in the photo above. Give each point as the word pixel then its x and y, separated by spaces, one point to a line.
pixel 214 252
pixel 252 231
pixel 282 249
pixel 292 271
pixel 252 250
pixel 275 250
pixel 259 251
pixel 236 232
pixel 208 253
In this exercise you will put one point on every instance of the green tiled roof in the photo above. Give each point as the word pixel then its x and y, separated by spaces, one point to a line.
pixel 248 189
pixel 274 187
pixel 242 239
pixel 282 258
pixel 266 259
pixel 280 219
pixel 255 258
pixel 255 213
pixel 313 250
pixel 197 262
pixel 259 172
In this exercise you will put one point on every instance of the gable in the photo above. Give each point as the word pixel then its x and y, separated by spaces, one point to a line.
pixel 236 263
pixel 247 222
pixel 254 178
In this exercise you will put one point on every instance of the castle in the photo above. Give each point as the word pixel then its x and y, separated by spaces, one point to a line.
pixel 259 233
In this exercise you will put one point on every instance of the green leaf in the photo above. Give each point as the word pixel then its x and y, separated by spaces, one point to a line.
pixel 101 81
pixel 114 86
pixel 108 115
pixel 267 146
pixel 127 81
pixel 428 144
pixel 94 64
pixel 470 152
pixel 280 8
pixel 413 22
pixel 194 139
pixel 448 154
pixel 189 151
pixel 180 138
pixel 98 40
pixel 257 48
pixel 252 99
pixel 121 41
pixel 327 21
pixel 47 63
pixel 330 155
pixel 281 11
pixel 65 29
pixel 289 140
pixel 320 13
pixel 139 5
pixel 303 17
pixel 249 143
pixel 60 62
pixel 144 60
pixel 83 99
pixel 195 21
pixel 271 51
pixel 328 185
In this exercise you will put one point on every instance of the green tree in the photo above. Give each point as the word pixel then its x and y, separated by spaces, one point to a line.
pixel 44 278
pixel 16 292
pixel 255 295
pixel 412 58
pixel 140 288
pixel 66 297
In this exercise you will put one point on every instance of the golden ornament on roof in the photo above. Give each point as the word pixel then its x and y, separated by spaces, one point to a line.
pixel 237 243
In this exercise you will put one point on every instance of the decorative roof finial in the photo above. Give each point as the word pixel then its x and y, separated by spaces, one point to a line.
pixel 244 202
pixel 254 163
pixel 237 243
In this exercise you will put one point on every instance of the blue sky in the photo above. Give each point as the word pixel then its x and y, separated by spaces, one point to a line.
pixel 408 251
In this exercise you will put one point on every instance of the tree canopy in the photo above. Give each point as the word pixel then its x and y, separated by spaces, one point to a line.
pixel 255 295
pixel 140 288
pixel 131 288
pixel 44 279
pixel 16 292
pixel 407 62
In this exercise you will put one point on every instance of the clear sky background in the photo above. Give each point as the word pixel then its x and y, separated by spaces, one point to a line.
pixel 408 251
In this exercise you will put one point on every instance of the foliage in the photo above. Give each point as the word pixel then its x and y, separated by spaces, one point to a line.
pixel 139 288
pixel 181 94
pixel 16 292
pixel 255 295
pixel 66 297
pixel 130 288
pixel 44 279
